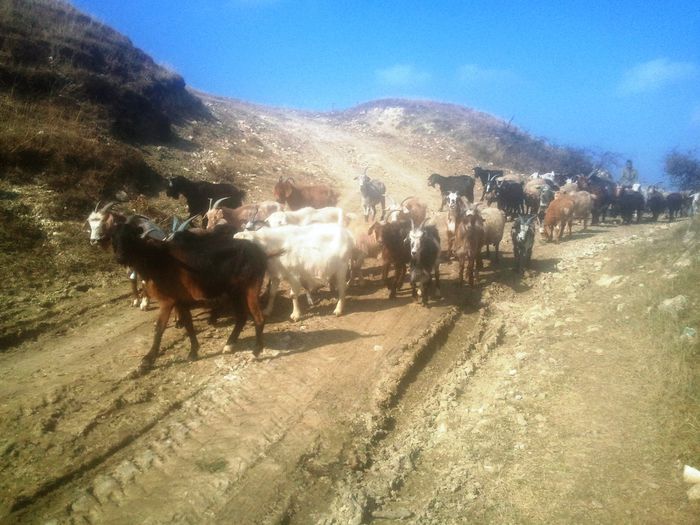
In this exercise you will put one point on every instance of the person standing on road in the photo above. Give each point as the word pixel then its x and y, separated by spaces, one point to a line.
pixel 629 175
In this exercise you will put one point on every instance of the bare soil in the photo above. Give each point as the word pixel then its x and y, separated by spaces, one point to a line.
pixel 541 399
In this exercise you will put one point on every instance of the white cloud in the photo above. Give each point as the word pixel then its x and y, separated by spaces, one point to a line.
pixel 472 73
pixel 402 75
pixel 654 75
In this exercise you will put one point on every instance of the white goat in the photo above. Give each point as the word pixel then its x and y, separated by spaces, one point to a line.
pixel 305 216
pixel 311 255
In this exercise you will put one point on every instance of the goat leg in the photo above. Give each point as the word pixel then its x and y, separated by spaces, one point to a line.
pixel 342 287
pixel 185 320
pixel 239 310
pixel 438 292
pixel 253 301
pixel 166 308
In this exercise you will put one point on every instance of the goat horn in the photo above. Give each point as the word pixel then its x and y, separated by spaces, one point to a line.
pixel 217 203
pixel 185 224
pixel 97 205
pixel 107 206
pixel 149 230
pixel 176 223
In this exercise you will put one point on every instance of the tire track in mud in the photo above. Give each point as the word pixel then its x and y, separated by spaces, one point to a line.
pixel 290 387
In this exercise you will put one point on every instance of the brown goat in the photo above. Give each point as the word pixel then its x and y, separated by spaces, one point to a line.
pixel 410 209
pixel 469 238
pixel 239 217
pixel 560 212
pixel 295 197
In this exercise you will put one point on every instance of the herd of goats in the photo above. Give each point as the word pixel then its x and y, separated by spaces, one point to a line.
pixel 304 239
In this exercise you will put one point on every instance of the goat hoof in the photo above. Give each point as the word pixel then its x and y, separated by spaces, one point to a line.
pixel 228 349
pixel 145 366
pixel 193 356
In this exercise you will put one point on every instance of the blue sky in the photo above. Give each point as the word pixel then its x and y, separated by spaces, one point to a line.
pixel 622 76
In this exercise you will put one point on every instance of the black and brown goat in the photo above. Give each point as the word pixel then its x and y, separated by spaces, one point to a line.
pixel 192 268
pixel 395 251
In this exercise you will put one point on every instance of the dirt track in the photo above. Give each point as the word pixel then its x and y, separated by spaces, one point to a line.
pixel 232 439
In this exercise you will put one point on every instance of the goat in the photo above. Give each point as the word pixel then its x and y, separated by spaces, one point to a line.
pixel 395 251
pixel 486 176
pixel 494 224
pixel 425 260
pixel 373 192
pixel 309 255
pixel 695 204
pixel 191 268
pixel 410 209
pixel 523 236
pixel 294 197
pixel 455 208
pixel 469 237
pixel 366 245
pixel 199 194
pixel 239 217
pixel 103 222
pixel 306 216
pixel 560 212
pixel 628 203
pixel 655 202
pixel 583 205
pixel 546 197
pixel 509 196
pixel 532 191
pixel 674 202
pixel 462 185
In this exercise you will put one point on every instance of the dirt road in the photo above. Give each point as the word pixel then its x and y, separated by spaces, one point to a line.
pixel 540 394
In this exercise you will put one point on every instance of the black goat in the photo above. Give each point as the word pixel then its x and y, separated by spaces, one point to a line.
pixel 191 268
pixel 462 185
pixel 485 176
pixel 656 204
pixel 425 260
pixel 674 203
pixel 628 203
pixel 523 236
pixel 199 194
pixel 510 197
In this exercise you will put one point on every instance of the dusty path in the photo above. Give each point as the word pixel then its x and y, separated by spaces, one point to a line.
pixel 280 438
